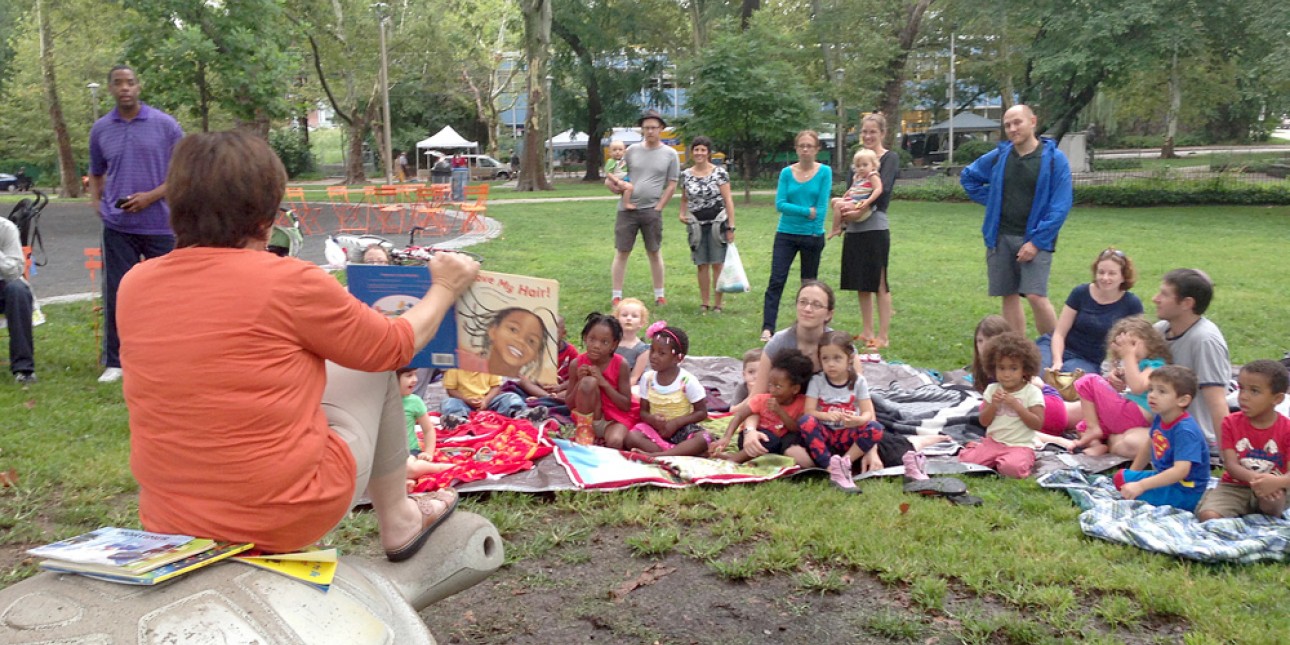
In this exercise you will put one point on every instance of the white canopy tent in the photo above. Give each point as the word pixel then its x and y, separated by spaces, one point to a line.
pixel 568 140
pixel 627 135
pixel 966 122
pixel 447 138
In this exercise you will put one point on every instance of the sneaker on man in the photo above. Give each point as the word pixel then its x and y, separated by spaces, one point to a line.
pixel 110 375
pixel 25 378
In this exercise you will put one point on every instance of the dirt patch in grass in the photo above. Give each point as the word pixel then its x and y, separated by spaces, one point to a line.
pixel 598 591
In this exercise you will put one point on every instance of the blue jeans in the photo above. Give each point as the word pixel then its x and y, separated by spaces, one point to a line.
pixel 16 304
pixel 787 246
pixel 507 404
pixel 121 251
pixel 1070 361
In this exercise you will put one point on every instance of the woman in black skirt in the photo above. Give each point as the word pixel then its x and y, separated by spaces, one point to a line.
pixel 866 244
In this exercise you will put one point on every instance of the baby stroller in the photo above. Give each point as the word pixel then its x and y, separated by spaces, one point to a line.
pixel 285 241
pixel 26 216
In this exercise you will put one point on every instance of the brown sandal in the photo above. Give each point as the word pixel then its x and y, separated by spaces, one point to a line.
pixel 430 520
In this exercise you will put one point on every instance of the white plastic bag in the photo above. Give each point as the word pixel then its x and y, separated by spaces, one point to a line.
pixel 733 279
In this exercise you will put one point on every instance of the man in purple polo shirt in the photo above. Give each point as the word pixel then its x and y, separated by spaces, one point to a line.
pixel 129 155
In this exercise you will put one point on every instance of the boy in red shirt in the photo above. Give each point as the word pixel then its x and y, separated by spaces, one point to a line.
pixel 1254 444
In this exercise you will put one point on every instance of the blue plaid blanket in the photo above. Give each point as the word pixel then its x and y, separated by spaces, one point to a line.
pixel 1164 529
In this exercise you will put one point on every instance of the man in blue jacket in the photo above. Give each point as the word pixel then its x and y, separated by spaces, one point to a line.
pixel 1025 185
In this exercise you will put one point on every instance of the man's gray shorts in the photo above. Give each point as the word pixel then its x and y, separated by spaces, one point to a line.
pixel 1009 277
pixel 646 220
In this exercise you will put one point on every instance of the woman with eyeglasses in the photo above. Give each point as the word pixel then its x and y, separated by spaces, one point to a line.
pixel 802 200
pixel 1079 340
pixel 814 304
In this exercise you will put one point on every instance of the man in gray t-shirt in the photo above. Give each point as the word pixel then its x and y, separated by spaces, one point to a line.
pixel 654 169
pixel 1196 343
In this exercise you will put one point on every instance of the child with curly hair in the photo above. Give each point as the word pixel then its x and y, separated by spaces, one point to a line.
pixel 778 411
pixel 1014 408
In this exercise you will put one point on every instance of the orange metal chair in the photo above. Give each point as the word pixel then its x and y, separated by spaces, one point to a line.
pixel 307 214
pixel 409 191
pixel 429 212
pixel 389 212
pixel 347 212
pixel 473 211
pixel 94 264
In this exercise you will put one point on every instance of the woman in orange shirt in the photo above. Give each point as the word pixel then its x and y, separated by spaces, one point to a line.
pixel 261 394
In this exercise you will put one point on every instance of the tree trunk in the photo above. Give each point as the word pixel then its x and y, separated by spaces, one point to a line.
pixel 537 43
pixel 697 29
pixel 356 132
pixel 69 179
pixel 746 10
pixel 1175 105
pixel 595 108
pixel 895 84
pixel 203 97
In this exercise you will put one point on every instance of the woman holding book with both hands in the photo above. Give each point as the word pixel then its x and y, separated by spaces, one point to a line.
pixel 262 396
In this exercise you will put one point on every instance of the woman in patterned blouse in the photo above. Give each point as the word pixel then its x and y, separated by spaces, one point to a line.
pixel 709 212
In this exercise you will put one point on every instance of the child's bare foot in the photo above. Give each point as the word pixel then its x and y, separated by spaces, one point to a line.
pixel 1088 438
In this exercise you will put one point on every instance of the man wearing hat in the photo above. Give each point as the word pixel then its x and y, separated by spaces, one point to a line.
pixel 655 169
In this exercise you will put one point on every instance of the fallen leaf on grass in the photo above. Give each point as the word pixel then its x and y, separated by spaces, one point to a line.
pixel 904 508
pixel 30 403
pixel 9 478
pixel 469 616
pixel 647 577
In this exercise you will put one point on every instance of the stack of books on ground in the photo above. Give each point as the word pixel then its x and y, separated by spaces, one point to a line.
pixel 134 557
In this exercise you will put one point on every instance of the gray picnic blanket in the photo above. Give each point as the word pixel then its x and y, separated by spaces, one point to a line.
pixel 1164 529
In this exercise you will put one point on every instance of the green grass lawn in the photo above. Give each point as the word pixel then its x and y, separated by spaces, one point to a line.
pixel 67 437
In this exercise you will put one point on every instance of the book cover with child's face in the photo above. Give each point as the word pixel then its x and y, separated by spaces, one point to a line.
pixel 506 325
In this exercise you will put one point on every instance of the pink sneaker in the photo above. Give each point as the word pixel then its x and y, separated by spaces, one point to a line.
pixel 840 474
pixel 915 466
pixel 660 301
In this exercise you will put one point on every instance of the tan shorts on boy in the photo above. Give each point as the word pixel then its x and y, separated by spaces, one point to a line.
pixel 1230 500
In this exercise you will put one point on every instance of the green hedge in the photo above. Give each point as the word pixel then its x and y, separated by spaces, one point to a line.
pixel 1130 192
pixel 1100 165
pixel 290 146
pixel 1184 192
pixel 972 150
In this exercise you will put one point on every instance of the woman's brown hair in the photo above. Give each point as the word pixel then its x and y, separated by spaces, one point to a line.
pixel 1127 275
pixel 224 189
pixel 988 328
pixel 877 119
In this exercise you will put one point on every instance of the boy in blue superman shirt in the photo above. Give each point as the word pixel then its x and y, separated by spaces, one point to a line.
pixel 1176 450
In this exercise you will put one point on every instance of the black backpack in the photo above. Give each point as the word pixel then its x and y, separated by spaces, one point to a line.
pixel 26 216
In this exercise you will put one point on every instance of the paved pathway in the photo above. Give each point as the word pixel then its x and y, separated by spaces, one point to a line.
pixel 69 228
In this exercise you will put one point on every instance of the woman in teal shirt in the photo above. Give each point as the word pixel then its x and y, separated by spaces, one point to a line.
pixel 803 204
